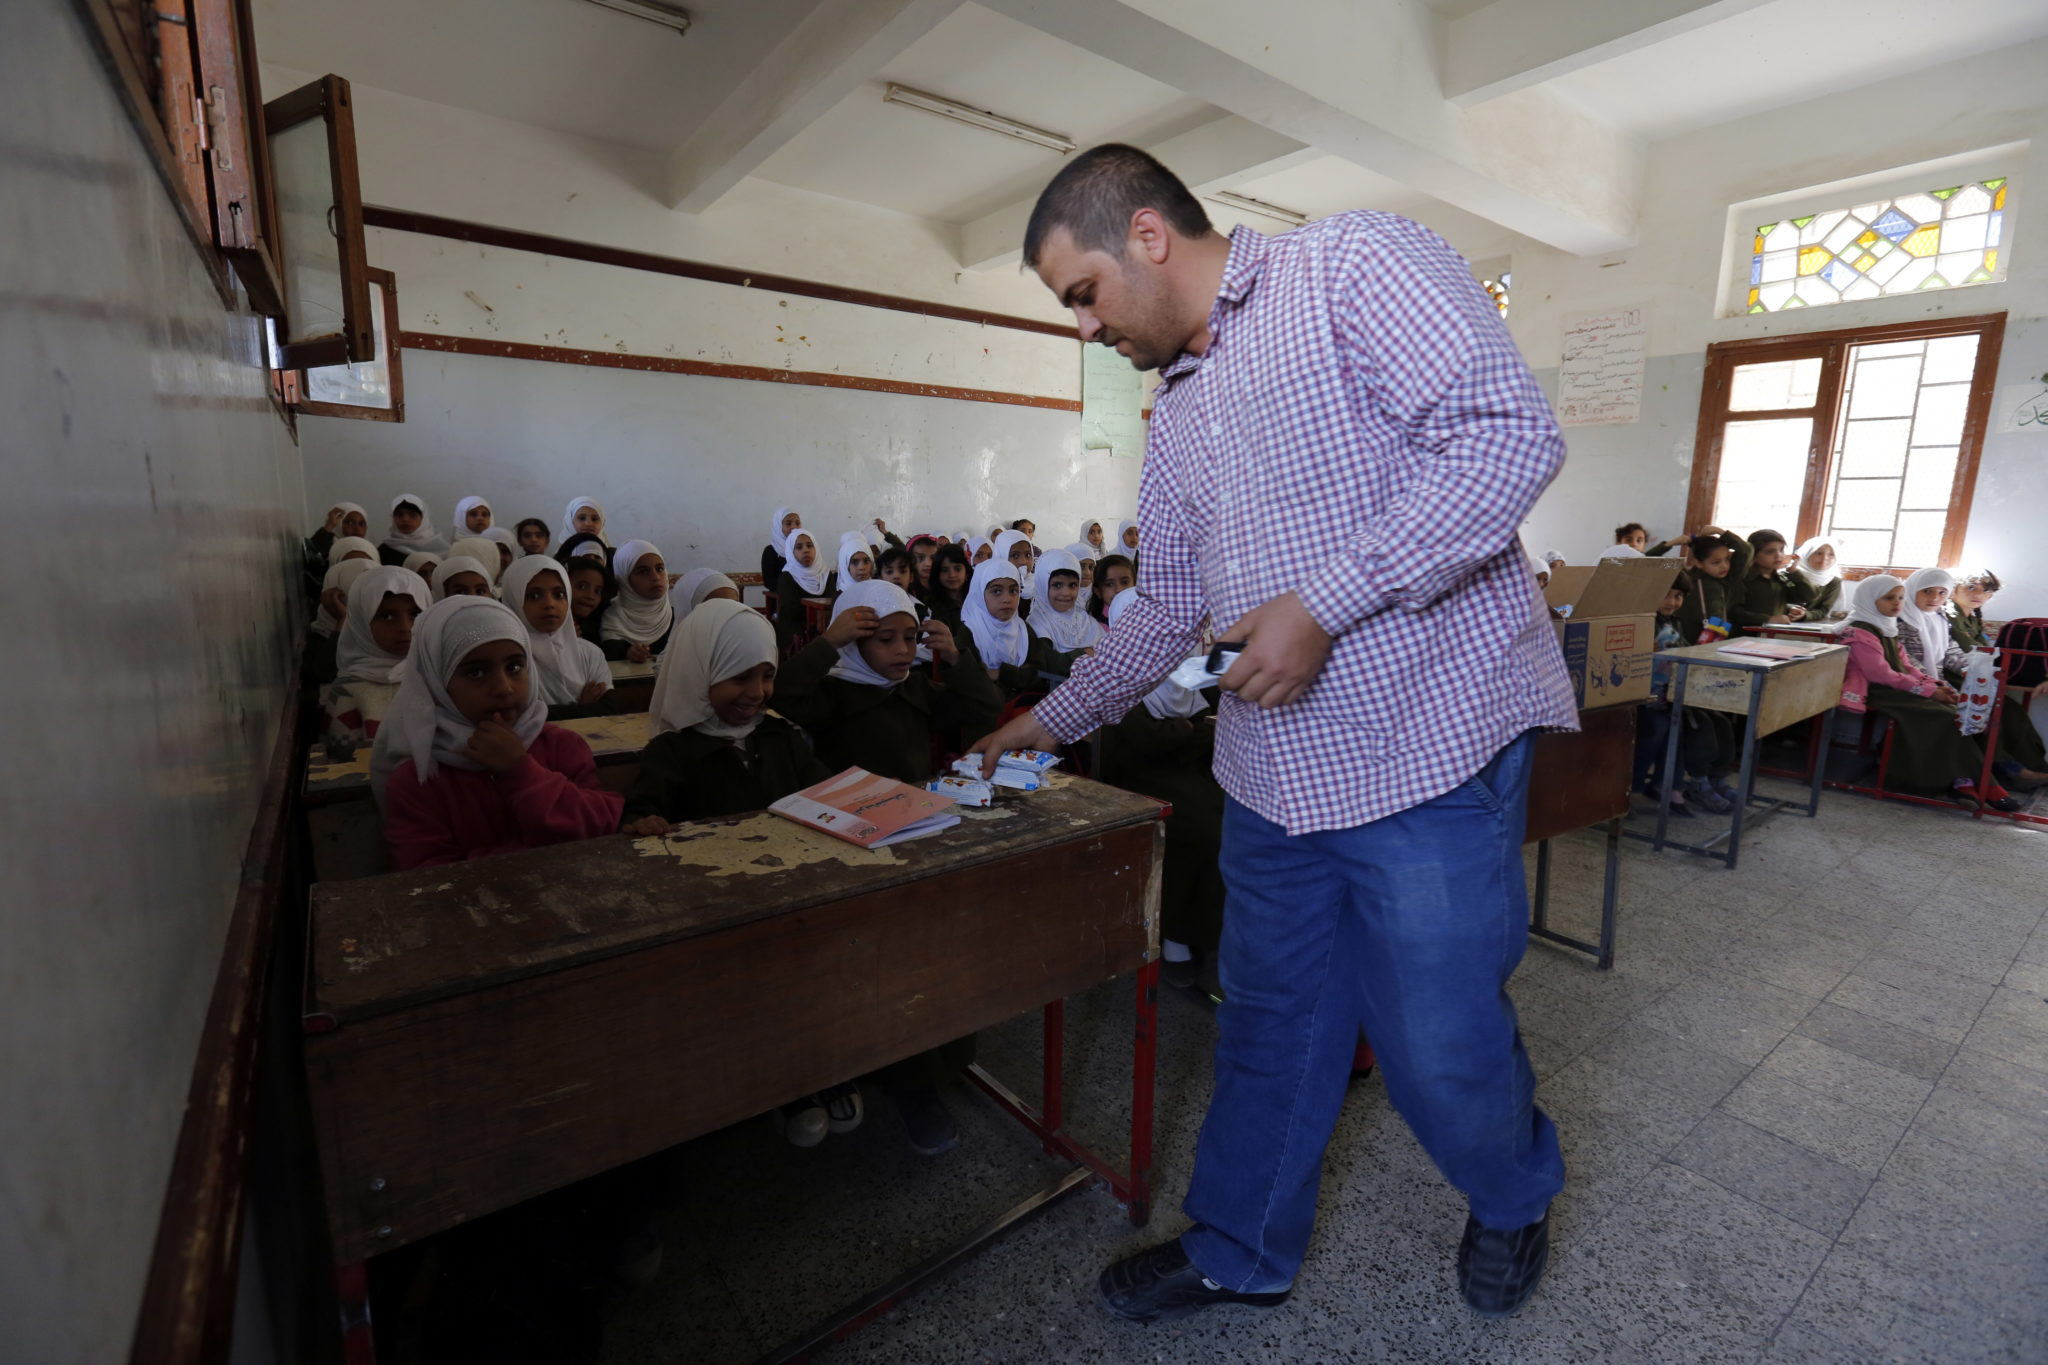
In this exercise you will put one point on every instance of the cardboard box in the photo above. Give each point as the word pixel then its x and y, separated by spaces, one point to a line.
pixel 1610 635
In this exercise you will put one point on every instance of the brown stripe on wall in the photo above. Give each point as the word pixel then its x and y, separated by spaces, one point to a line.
pixel 622 360
pixel 456 229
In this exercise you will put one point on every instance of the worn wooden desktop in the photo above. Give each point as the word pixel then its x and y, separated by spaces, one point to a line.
pixel 481 1033
pixel 1576 781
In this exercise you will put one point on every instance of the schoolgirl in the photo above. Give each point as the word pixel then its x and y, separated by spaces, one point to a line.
pixel 1816 579
pixel 775 554
pixel 637 623
pixel 1061 621
pixel 508 546
pixel 472 517
pixel 410 530
pixel 1003 643
pixel 483 551
pixel 461 576
pixel 583 516
pixel 322 642
pixel 804 574
pixel 1113 574
pixel 699 586
pixel 370 655
pixel 570 672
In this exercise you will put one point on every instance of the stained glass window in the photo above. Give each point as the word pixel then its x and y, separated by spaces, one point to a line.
pixel 1937 240
pixel 1497 290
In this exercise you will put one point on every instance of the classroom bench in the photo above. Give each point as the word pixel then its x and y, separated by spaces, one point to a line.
pixel 482 1033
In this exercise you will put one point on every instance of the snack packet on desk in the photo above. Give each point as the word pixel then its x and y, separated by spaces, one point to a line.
pixel 1200 672
pixel 965 791
pixel 1033 761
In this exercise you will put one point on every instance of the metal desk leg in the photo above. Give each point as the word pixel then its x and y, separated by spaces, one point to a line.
pixel 1823 730
pixel 1542 897
pixel 1671 752
pixel 1609 894
pixel 352 1288
pixel 1748 774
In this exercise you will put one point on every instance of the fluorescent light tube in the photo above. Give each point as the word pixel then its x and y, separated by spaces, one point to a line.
pixel 979 118
pixel 669 16
pixel 1259 206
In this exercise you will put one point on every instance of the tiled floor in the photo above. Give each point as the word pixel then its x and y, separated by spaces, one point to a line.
pixel 1806 1119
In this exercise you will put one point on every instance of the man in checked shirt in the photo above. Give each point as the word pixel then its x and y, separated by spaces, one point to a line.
pixel 1343 447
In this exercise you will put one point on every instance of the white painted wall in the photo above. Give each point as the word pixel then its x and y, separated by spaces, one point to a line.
pixel 695 464
pixel 1639 472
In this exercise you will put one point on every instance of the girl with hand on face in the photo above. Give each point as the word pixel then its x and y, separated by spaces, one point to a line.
pixel 370 654
pixel 570 672
pixel 344 519
pixel 410 531
pixel 637 624
pixel 805 573
pixel 467 766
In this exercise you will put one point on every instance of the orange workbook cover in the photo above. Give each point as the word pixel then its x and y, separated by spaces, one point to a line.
pixel 867 810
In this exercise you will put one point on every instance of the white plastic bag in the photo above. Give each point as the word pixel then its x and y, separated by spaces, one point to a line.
pixel 1980 693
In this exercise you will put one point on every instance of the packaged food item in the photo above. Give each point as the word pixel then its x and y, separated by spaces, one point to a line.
pixel 1029 760
pixel 964 791
pixel 1017 779
pixel 1206 671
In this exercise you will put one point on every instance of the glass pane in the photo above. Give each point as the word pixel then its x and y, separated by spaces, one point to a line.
pixel 361 386
pixel 1883 388
pixel 1939 421
pixel 1951 359
pixel 1918 543
pixel 1873 449
pixel 312 253
pixel 1866 504
pixel 1778 384
pixel 1930 479
pixel 1864 547
pixel 1763 470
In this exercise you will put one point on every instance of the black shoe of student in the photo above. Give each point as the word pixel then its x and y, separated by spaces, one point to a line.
pixel 1161 1282
pixel 1498 1271
pixel 925 1119
pixel 1185 975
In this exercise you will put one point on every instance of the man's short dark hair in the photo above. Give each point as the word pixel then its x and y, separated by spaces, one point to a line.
pixel 1095 194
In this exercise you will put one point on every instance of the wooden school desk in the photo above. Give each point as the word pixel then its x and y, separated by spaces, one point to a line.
pixel 632 684
pixel 1769 694
pixel 1577 781
pixel 482 1033
pixel 347 837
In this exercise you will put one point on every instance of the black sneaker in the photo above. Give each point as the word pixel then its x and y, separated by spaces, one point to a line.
pixel 1185 975
pixel 1161 1282
pixel 1498 1271
pixel 931 1129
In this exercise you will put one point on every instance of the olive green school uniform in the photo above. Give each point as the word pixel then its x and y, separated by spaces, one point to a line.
pixel 1759 597
pixel 1818 602
pixel 1929 753
pixel 1170 759
pixel 1709 596
pixel 686 775
pixel 791 615
pixel 887 730
pixel 1014 680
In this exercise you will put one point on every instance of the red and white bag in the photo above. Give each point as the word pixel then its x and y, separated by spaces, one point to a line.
pixel 1980 692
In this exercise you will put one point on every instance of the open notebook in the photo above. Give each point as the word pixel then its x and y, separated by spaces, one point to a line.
pixel 867 810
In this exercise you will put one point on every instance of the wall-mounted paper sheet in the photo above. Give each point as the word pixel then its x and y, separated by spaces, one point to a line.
pixel 1600 381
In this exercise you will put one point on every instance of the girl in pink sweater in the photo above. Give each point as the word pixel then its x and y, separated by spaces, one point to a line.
pixel 466 765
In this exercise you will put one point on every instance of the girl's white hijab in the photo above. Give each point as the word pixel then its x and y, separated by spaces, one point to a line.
pixel 424 538
pixel 563 662
pixel 718 640
pixel 339 576
pixel 344 546
pixel 1118 547
pixel 453 565
pixel 1863 604
pixel 1169 700
pixel 424 725
pixel 354 507
pixel 694 587
pixel 357 656
pixel 998 642
pixel 811 579
pixel 569 516
pixel 461 524
pixel 851 544
pixel 886 600
pixel 483 550
pixel 1930 626
pixel 973 544
pixel 1094 551
pixel 1027 577
pixel 1068 630
pixel 418 561
pixel 1826 576
pixel 1553 558
pixel 632 617
pixel 775 536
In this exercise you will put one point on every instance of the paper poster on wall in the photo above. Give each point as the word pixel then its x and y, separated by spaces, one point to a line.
pixel 1112 403
pixel 2022 408
pixel 1600 380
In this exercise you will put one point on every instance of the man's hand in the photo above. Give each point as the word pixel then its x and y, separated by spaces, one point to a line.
pixel 1022 733
pixel 1284 652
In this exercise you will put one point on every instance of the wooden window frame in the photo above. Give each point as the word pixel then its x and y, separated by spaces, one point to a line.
pixel 294 381
pixel 1832 349
pixel 329 100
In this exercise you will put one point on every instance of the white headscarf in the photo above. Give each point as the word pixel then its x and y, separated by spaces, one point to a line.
pixel 569 516
pixel 424 725
pixel 1863 604
pixel 1084 553
pixel 1027 577
pixel 453 565
pixel 483 550
pixel 1827 575
pixel 591 549
pixel 357 657
pixel 1169 700
pixel 718 640
pixel 425 538
pixel 886 599
pixel 775 536
pixel 694 587
pixel 1119 548
pixel 344 546
pixel 461 524
pixel 339 576
pixel 631 616
pixel 998 642
pixel 810 581
pixel 564 663
pixel 1553 558
pixel 1930 626
pixel 1068 630
pixel 1094 551
pixel 503 535
pixel 973 545
pixel 418 561
pixel 851 544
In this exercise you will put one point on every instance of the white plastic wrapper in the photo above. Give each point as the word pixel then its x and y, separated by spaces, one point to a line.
pixel 1206 670
pixel 1980 693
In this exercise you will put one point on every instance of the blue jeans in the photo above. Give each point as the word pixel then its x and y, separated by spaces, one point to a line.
pixel 1407 929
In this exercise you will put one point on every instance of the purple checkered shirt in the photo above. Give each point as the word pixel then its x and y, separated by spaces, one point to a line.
pixel 1363 432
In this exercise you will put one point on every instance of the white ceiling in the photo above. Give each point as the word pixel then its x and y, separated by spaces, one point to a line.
pixel 914 162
